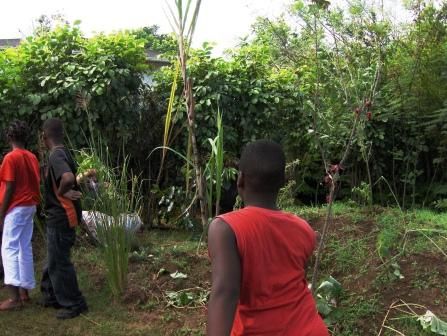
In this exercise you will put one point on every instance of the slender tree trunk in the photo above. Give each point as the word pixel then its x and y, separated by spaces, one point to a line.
pixel 368 172
pixel 328 223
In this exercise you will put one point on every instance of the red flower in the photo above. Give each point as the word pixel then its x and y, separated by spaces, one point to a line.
pixel 369 115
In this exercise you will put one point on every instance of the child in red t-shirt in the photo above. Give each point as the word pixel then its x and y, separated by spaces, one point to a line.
pixel 19 195
pixel 258 257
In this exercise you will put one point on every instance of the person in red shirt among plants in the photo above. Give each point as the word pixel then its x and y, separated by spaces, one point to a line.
pixel 19 195
pixel 259 255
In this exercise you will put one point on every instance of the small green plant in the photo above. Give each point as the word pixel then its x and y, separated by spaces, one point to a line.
pixel 441 205
pixel 362 193
pixel 389 237
pixel 214 170
pixel 396 271
pixel 239 203
pixel 430 321
pixel 187 298
pixel 327 297
pixel 120 199
pixel 286 196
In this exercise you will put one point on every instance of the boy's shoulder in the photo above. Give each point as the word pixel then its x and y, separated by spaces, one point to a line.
pixel 235 213
pixel 10 157
pixel 60 154
pixel 18 153
pixel 253 214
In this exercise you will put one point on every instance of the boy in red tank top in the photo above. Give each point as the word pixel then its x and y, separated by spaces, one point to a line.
pixel 258 257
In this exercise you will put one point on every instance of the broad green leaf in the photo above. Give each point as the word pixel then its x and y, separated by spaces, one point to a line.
pixel 433 323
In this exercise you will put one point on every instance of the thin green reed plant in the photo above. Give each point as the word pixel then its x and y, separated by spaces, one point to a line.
pixel 168 120
pixel 214 171
pixel 215 167
pixel 120 198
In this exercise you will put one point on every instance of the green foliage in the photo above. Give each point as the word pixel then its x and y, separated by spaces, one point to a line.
pixel 361 193
pixel 43 77
pixel 189 298
pixel 119 197
pixel 327 296
pixel 286 196
pixel 441 205
pixel 172 208
pixel 410 107
pixel 322 63
pixel 257 99
pixel 215 173
pixel 433 323
pixel 350 255
pixel 162 43
pixel 388 238
pixel 338 55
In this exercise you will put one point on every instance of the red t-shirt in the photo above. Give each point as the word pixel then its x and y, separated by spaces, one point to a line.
pixel 274 247
pixel 20 166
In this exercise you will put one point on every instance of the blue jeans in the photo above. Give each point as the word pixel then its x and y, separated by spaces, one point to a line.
pixel 59 284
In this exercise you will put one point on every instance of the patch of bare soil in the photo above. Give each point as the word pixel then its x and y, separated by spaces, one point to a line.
pixel 150 280
pixel 424 283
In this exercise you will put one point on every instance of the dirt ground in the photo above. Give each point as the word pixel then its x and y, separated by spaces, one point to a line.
pixel 369 287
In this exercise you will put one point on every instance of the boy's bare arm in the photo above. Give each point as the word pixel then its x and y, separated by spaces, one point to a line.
pixel 226 278
pixel 65 187
pixel 4 203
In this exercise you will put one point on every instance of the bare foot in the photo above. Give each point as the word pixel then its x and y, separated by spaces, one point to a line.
pixel 10 304
pixel 24 295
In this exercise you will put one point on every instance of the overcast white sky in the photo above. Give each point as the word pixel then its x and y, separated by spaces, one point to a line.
pixel 220 21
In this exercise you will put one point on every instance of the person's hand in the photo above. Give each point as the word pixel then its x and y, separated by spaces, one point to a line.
pixel 73 195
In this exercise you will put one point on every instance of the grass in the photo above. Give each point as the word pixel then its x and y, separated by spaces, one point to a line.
pixel 348 255
pixel 352 256
pixel 134 315
pixel 103 319
pixel 382 256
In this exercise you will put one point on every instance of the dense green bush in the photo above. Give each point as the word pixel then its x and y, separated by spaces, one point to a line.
pixel 49 73
pixel 337 55
pixel 296 81
pixel 256 99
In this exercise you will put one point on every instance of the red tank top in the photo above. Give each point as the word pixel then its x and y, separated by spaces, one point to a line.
pixel 274 247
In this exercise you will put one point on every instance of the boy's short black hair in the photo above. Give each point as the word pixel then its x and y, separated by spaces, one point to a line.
pixel 17 132
pixel 263 164
pixel 54 129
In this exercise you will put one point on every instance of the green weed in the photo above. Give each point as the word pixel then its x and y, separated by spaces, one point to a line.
pixel 391 230
pixel 354 309
pixel 348 255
